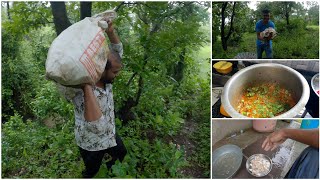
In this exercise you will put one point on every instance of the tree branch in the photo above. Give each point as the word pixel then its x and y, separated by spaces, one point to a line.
pixel 85 9
pixel 231 23
pixel 139 93
pixel 60 17
pixel 131 78
pixel 8 10
pixel 45 18
pixel 142 19
pixel 119 6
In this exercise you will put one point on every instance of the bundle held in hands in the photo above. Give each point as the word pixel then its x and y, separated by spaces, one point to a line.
pixel 266 33
pixel 79 54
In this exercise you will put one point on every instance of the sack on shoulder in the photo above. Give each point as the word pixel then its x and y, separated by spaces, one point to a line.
pixel 79 54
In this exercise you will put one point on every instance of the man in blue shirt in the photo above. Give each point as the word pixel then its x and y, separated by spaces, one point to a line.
pixel 263 43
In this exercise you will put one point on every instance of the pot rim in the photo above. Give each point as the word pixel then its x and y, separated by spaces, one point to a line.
pixel 291 113
pixel 312 84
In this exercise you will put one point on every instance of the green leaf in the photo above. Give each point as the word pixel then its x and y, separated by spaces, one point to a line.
pixel 68 151
pixel 159 119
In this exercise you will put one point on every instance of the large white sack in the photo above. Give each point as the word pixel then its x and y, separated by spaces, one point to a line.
pixel 79 54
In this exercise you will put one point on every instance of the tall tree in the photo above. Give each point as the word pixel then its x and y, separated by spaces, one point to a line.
pixel 313 14
pixel 225 14
pixel 283 10
pixel 216 20
pixel 8 10
pixel 60 18
pixel 85 9
pixel 160 26
pixel 26 16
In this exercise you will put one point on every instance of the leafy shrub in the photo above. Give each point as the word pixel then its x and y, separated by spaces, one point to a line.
pixel 201 114
pixel 22 67
pixel 150 160
pixel 16 77
pixel 49 102
pixel 31 150
pixel 297 44
pixel 296 24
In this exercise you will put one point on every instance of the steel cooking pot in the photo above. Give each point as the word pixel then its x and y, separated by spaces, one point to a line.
pixel 266 72
pixel 313 103
pixel 315 84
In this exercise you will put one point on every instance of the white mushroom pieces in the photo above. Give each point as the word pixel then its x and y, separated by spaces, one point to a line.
pixel 259 166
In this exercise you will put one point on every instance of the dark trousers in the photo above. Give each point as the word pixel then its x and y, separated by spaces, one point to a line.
pixel 93 159
pixel 306 166
pixel 267 49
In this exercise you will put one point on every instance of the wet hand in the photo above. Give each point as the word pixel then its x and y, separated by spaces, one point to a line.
pixel 273 140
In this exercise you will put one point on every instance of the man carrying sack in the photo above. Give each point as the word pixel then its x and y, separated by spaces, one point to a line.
pixel 95 130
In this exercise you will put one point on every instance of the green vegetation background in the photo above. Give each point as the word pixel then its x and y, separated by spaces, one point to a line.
pixel 297 40
pixel 37 123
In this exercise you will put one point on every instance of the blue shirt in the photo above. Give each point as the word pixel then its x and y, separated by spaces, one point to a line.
pixel 261 27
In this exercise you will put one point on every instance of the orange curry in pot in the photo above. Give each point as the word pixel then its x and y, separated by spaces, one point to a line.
pixel 265 100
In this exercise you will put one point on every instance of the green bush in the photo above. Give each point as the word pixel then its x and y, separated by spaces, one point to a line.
pixel 202 134
pixel 48 102
pixel 16 79
pixel 296 25
pixel 297 43
pixel 31 150
pixel 150 160
pixel 22 67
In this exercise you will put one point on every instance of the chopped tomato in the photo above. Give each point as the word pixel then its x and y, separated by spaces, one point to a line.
pixel 265 100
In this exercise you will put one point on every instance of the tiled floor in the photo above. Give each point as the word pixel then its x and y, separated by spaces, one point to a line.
pixel 250 142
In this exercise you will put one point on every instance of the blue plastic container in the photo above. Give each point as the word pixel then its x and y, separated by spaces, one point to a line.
pixel 309 124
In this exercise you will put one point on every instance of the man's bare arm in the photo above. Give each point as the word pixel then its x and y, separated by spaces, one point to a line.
pixel 309 137
pixel 92 110
pixel 114 38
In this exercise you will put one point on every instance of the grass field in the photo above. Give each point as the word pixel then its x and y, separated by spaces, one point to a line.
pixel 313 27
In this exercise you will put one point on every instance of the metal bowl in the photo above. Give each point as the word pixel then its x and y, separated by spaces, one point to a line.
pixel 226 161
pixel 260 156
pixel 266 72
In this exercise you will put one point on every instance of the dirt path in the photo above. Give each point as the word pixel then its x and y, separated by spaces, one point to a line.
pixel 183 139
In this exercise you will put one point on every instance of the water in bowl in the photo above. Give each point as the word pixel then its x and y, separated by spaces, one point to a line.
pixel 226 165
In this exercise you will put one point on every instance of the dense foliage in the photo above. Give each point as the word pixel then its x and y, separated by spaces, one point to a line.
pixel 297 27
pixel 161 75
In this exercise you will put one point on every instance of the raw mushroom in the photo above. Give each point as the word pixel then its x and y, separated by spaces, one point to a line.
pixel 259 166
